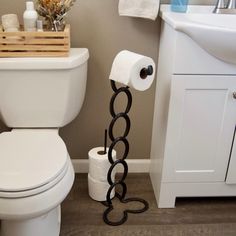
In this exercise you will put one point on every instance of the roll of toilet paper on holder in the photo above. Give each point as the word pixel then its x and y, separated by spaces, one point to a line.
pixel 126 69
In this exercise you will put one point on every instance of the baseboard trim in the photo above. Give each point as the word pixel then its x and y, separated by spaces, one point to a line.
pixel 135 165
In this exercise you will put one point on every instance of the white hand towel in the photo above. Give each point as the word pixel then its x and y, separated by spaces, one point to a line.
pixel 139 8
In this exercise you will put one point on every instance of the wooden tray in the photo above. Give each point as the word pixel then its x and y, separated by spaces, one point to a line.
pixel 35 44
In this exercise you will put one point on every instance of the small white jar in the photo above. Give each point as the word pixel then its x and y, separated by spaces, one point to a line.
pixel 10 23
pixel 30 17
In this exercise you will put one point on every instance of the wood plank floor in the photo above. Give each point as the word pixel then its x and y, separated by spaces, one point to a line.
pixel 82 216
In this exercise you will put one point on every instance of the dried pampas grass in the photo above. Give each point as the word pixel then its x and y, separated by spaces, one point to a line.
pixel 54 11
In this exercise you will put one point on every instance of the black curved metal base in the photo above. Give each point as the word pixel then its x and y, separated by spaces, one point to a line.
pixel 125 213
pixel 120 161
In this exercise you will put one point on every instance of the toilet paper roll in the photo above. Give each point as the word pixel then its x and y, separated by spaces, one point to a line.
pixel 126 69
pixel 10 23
pixel 98 189
pixel 99 164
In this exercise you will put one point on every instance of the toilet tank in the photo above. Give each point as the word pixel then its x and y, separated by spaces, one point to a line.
pixel 42 92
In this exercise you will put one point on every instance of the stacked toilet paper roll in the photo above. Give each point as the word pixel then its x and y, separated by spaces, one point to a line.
pixel 97 177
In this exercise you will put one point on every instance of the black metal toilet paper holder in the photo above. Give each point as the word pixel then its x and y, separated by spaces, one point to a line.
pixel 144 73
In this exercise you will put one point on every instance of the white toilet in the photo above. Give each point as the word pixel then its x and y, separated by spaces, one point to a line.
pixel 37 97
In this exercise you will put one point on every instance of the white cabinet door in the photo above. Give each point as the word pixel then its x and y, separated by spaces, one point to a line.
pixel 201 124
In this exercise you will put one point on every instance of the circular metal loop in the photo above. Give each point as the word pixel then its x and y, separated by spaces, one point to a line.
pixel 135 199
pixel 114 223
pixel 113 86
pixel 129 103
pixel 117 140
pixel 120 196
pixel 109 174
pixel 114 120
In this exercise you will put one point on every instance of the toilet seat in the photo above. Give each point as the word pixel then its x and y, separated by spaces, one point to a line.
pixel 31 161
pixel 31 192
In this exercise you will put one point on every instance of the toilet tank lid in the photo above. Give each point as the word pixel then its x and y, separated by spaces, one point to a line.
pixel 77 57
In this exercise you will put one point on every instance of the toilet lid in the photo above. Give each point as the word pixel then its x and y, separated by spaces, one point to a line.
pixel 30 159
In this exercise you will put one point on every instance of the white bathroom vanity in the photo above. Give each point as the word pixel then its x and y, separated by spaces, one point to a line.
pixel 193 147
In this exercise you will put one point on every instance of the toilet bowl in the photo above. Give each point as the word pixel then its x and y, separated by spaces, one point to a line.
pixel 37 97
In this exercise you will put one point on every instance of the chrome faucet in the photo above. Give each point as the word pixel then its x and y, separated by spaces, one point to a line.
pixel 231 4
pixel 229 8
pixel 219 5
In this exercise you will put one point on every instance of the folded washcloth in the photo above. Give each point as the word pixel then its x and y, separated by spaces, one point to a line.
pixel 139 8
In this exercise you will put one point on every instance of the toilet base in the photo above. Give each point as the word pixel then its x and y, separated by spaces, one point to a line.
pixel 44 225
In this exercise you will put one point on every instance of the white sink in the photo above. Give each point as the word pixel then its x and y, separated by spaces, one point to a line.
pixel 216 33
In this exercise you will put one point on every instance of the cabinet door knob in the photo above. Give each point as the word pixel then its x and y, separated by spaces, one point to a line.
pixel 234 95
